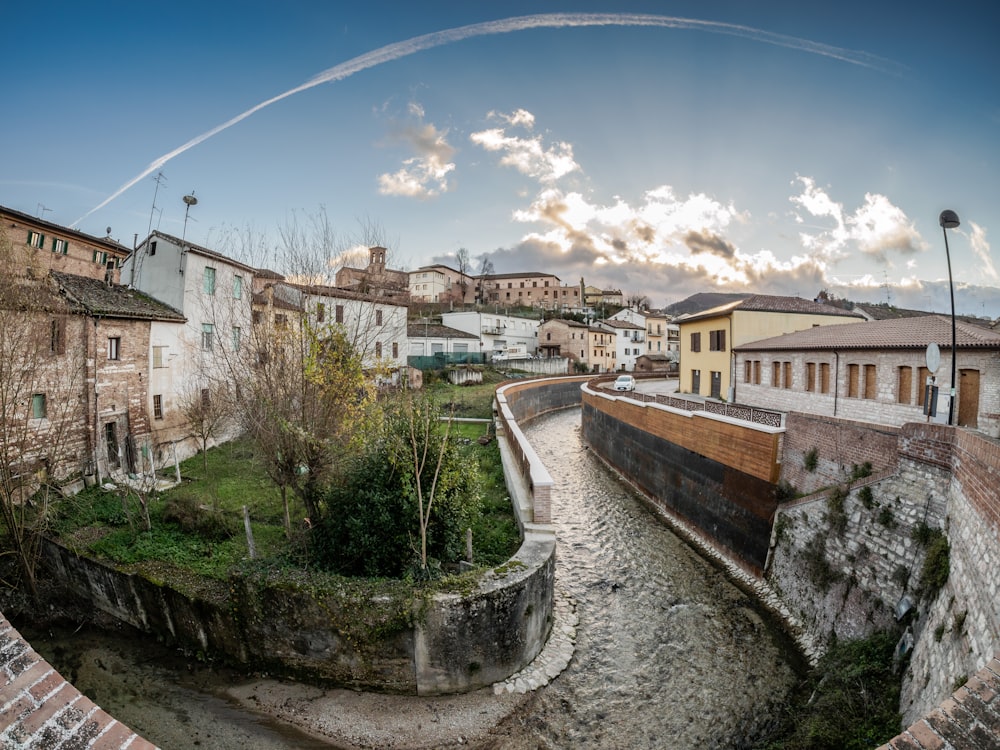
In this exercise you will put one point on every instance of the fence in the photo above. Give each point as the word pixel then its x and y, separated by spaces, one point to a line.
pixel 440 360
pixel 767 417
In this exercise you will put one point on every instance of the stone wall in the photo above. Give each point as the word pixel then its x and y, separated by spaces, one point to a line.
pixel 296 626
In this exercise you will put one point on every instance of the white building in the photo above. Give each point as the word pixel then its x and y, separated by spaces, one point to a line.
pixel 441 283
pixel 496 331
pixel 427 339
pixel 630 342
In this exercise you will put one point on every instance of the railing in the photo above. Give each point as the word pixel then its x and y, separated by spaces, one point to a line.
pixel 439 360
pixel 766 417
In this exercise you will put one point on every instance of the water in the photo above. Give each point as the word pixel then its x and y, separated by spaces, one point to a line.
pixel 669 654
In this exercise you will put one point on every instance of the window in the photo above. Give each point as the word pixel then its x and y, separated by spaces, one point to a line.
pixel 237 287
pixel 696 381
pixel 237 332
pixel 256 317
pixel 378 348
pixel 852 381
pixel 717 341
pixel 57 343
pixel 320 312
pixel 870 386
pixel 756 372
pixel 207 336
pixel 99 257
pixel 208 283
pixel 339 313
pixel 787 380
pixel 206 398
pixel 152 248
pixel 810 376
pixel 157 406
pixel 747 371
pixel 35 239
pixel 395 350
pixel 39 409
pixel 158 352
pixel 280 320
pixel 695 342
pixel 60 247
pixel 776 374
pixel 114 347
pixel 824 377
pixel 904 386
pixel 378 317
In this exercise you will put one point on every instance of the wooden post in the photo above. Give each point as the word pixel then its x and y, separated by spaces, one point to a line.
pixel 246 525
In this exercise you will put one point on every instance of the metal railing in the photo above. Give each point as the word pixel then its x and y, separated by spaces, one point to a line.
pixel 766 417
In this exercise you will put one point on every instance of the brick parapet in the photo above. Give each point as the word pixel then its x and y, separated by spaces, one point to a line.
pixel 39 708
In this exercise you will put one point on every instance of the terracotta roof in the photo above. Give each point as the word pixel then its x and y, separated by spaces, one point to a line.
pixel 436 331
pixel 336 292
pixel 521 275
pixel 772 303
pixel 612 323
pixel 895 333
pixel 565 321
pixel 113 300
pixel 103 241
pixel 885 312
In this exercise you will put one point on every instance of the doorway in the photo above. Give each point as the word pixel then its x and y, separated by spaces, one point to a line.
pixel 111 442
pixel 968 398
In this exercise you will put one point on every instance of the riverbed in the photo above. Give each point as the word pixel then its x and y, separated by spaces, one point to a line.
pixel 669 653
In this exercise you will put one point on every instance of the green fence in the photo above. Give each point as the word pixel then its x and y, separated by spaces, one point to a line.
pixel 441 360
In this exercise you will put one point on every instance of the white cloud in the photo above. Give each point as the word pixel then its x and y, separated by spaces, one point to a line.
pixel 426 174
pixel 527 155
pixel 877 228
pixel 981 248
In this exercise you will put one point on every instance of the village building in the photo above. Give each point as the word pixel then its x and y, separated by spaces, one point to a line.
pixel 441 283
pixel 213 293
pixel 707 338
pixel 590 347
pixel 876 372
pixel 41 245
pixel 376 279
pixel 629 342
pixel 449 345
pixel 599 299
pixel 497 332
pixel 658 336
pixel 656 363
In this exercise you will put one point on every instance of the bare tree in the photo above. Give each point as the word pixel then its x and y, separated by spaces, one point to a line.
pixel 464 268
pixel 42 401
pixel 637 301
pixel 206 415
pixel 485 271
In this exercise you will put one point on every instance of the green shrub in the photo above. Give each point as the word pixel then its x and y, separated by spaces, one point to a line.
pixel 861 471
pixel 866 497
pixel 811 459
pixel 184 511
pixel 937 564
pixel 836 512
pixel 887 518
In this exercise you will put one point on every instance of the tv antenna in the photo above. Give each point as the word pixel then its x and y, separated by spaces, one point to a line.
pixel 41 209
pixel 189 200
pixel 160 177
pixel 887 287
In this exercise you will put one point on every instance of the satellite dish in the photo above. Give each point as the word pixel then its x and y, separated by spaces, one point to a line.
pixel 190 200
pixel 933 357
pixel 108 230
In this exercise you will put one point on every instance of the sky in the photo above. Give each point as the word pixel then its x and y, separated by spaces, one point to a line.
pixel 659 148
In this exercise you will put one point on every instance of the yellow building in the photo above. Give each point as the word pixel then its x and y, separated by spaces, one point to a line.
pixel 707 338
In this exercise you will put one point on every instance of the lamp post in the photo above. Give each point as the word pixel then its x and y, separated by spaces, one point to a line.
pixel 949 220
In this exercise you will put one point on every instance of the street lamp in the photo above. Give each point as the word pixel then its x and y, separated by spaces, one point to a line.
pixel 949 220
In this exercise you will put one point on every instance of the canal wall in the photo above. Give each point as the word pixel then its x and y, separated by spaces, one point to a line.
pixel 716 472
pixel 849 559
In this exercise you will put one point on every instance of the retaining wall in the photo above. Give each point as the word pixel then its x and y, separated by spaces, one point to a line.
pixel 717 473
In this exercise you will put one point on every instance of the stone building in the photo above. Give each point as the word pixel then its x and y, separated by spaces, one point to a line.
pixel 441 283
pixel 559 337
pixel 875 372
pixel 376 279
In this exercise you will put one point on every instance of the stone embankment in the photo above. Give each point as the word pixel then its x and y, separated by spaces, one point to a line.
pixel 39 708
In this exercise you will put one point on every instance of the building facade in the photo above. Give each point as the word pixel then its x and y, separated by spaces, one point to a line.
pixel 877 373
pixel 496 331
pixel 707 365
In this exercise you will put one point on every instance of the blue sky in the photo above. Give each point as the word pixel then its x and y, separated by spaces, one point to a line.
pixel 677 147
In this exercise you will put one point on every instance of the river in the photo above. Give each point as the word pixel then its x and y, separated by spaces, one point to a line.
pixel 670 654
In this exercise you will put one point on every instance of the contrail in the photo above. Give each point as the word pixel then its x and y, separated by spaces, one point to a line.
pixel 395 51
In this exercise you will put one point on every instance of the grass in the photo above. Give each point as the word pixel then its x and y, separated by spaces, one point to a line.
pixel 197 527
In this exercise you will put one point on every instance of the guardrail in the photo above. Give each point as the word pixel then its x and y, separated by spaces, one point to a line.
pixel 766 417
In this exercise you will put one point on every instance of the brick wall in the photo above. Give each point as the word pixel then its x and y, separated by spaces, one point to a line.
pixel 38 708
pixel 839 445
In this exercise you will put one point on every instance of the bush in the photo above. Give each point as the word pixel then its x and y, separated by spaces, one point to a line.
pixel 811 460
pixel 836 512
pixel 866 497
pixel 184 511
pixel 849 701
pixel 937 564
